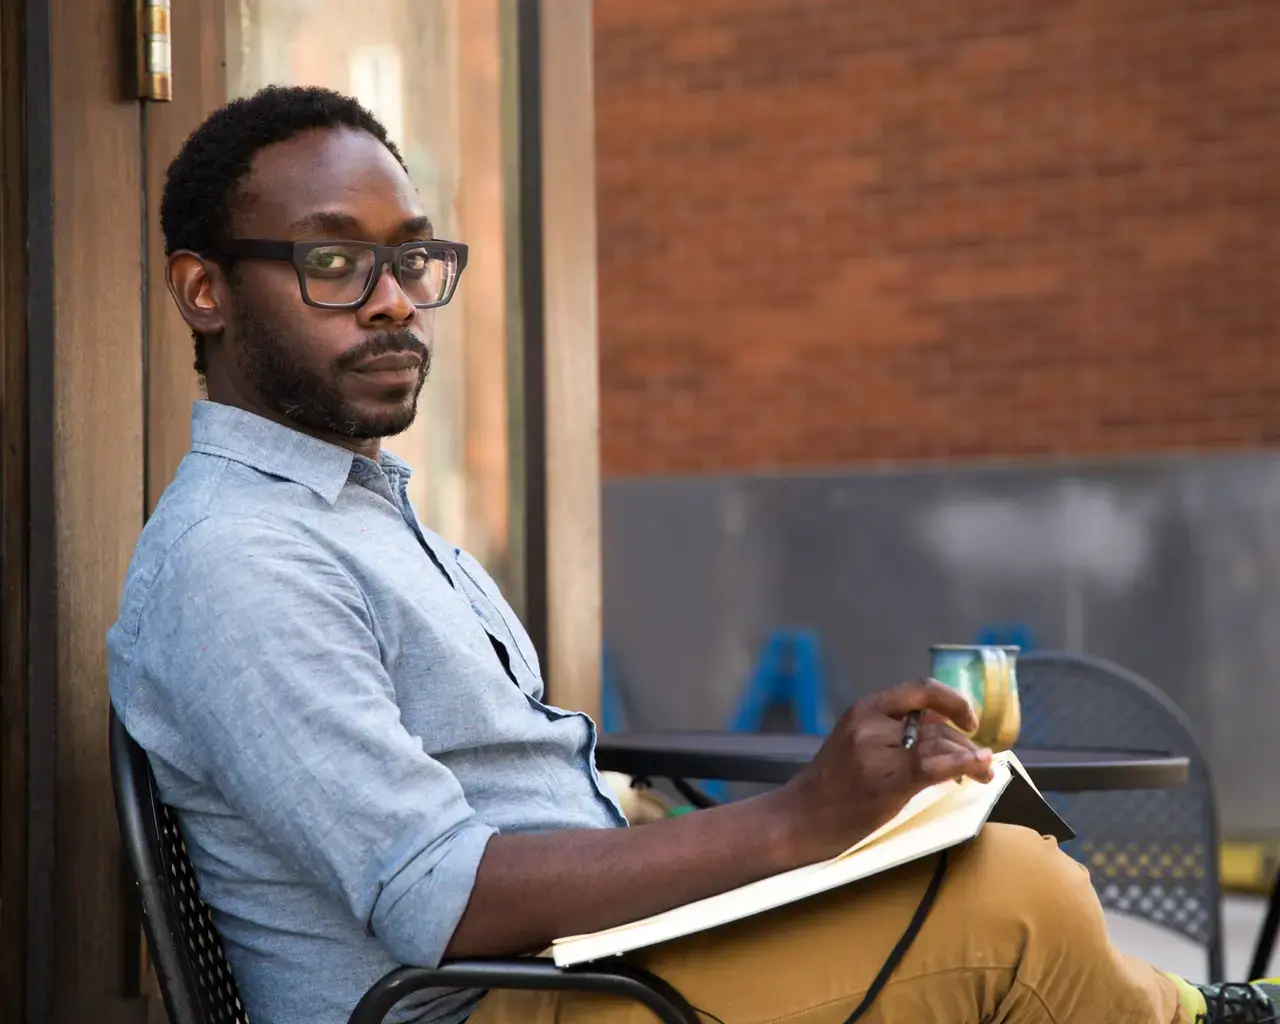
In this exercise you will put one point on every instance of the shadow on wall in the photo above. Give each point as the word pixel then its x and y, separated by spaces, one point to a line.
pixel 1168 566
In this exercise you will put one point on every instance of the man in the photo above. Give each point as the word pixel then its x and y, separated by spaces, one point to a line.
pixel 348 717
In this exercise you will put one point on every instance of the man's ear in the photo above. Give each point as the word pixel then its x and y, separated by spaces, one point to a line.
pixel 196 287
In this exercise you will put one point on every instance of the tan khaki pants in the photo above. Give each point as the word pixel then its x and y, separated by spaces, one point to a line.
pixel 1016 935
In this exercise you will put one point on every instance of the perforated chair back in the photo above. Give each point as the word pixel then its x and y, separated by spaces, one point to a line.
pixel 1150 853
pixel 195 981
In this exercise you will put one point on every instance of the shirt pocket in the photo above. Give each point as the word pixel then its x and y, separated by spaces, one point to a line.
pixel 474 574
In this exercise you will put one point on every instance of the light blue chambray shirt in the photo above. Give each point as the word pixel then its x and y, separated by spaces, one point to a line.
pixel 341 707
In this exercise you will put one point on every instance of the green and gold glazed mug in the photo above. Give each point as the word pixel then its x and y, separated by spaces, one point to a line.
pixel 987 677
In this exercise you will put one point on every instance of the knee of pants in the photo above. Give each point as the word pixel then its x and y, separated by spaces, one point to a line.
pixel 1014 878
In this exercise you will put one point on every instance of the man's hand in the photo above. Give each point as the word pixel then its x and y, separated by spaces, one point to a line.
pixel 862 776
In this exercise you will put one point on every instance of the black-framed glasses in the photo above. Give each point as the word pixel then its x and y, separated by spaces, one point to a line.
pixel 341 275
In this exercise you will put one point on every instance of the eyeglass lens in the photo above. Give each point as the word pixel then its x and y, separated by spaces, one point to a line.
pixel 340 273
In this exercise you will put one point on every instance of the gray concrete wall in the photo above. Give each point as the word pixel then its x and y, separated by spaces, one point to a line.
pixel 1169 566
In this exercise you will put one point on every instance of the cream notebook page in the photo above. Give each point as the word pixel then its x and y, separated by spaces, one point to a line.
pixel 935 819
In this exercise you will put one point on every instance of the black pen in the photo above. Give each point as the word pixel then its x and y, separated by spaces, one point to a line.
pixel 910 729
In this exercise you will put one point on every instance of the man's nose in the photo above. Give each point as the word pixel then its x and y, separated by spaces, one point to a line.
pixel 387 303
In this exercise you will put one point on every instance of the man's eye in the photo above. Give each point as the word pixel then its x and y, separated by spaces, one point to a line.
pixel 414 262
pixel 329 261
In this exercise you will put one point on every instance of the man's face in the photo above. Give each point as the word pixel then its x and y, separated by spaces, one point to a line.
pixel 349 373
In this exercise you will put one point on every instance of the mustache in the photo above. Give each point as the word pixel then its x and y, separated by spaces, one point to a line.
pixel 383 342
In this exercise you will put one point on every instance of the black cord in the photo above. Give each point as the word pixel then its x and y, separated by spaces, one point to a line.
pixel 899 951
pixel 904 943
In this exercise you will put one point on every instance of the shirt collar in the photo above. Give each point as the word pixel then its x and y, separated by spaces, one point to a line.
pixel 275 449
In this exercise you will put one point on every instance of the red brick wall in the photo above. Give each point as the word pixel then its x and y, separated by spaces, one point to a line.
pixel 834 231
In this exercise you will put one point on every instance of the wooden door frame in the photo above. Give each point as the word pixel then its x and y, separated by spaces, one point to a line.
pixel 13 518
pixel 28 625
pixel 89 454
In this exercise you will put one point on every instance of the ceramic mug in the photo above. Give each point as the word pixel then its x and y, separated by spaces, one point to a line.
pixel 987 677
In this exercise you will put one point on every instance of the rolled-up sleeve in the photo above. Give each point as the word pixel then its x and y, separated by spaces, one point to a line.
pixel 264 654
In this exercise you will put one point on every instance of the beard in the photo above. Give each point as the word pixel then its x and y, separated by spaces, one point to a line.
pixel 313 399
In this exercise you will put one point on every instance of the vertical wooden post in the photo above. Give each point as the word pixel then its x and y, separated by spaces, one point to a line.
pixel 570 365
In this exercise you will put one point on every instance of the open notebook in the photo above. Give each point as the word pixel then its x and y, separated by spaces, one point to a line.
pixel 935 819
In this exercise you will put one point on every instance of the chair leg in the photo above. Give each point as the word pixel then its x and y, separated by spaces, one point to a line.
pixel 694 795
pixel 1267 936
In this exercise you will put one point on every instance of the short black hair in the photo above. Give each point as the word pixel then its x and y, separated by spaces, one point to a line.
pixel 201 185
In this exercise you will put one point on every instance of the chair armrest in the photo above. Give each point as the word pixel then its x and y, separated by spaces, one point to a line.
pixel 538 973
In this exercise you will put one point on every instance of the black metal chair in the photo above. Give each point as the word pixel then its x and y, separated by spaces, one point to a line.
pixel 1150 853
pixel 196 982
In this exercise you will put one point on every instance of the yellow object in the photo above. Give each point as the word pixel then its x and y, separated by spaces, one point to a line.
pixel 1249 865
pixel 1190 998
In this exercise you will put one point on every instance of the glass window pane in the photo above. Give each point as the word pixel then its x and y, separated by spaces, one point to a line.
pixel 431 71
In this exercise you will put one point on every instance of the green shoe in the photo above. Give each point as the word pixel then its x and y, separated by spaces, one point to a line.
pixel 1256 1003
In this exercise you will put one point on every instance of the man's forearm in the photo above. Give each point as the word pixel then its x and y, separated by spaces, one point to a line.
pixel 533 888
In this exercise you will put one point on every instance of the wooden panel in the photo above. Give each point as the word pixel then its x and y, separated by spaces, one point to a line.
pixel 199 55
pixel 572 387
pixel 199 86
pixel 13 520
pixel 97 466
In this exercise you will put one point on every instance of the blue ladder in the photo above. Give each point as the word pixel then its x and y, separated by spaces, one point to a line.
pixel 788 674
